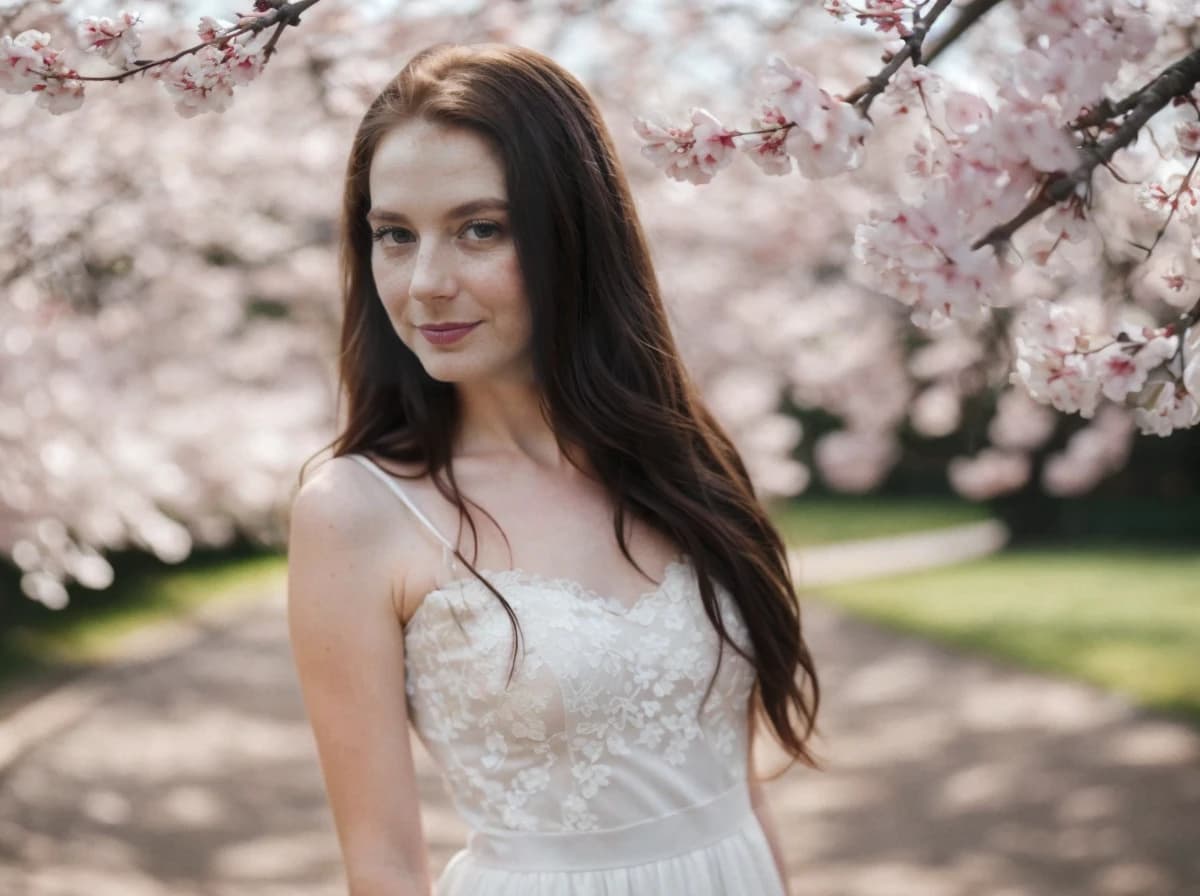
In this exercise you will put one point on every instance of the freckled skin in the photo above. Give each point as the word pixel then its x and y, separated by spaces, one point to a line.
pixel 434 267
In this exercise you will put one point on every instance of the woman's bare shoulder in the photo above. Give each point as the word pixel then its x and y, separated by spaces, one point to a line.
pixel 346 478
pixel 342 496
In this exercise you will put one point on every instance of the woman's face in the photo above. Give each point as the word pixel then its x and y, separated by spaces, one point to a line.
pixel 443 253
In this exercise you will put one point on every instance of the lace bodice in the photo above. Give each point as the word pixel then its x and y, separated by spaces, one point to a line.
pixel 599 726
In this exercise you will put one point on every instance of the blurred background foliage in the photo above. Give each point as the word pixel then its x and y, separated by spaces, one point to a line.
pixel 169 314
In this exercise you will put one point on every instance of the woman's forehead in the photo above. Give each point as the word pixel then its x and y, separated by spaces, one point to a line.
pixel 424 164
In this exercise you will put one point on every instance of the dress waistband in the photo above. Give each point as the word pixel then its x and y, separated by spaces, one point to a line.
pixel 635 844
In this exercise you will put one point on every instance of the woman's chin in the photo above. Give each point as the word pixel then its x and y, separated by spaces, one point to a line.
pixel 463 368
pixel 454 370
pixel 445 373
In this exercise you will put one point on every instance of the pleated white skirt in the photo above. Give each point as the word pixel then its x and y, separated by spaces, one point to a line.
pixel 717 848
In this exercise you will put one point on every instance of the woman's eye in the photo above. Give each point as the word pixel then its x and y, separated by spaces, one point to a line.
pixel 483 229
pixel 383 233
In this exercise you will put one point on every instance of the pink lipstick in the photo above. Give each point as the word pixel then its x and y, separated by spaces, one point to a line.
pixel 445 334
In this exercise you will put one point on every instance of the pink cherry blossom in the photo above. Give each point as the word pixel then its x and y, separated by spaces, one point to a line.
pixel 829 135
pixel 918 256
pixel 966 113
pixel 714 147
pixel 199 83
pixel 21 59
pixel 922 162
pixel 1155 197
pixel 910 87
pixel 794 88
pixel 210 28
pixel 691 154
pixel 1034 137
pixel 1054 326
pixel 768 150
pixel 886 16
pixel 59 95
pixel 1060 366
pixel 1187 133
pixel 204 81
pixel 1065 381
pixel 831 141
pixel 110 38
pixel 1173 193
pixel 28 64
pixel 1168 408
pixel 1121 369
pixel 244 65
pixel 1048 364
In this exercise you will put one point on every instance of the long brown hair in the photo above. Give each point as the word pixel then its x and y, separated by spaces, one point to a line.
pixel 609 373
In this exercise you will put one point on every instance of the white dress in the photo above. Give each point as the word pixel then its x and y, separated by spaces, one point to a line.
pixel 591 774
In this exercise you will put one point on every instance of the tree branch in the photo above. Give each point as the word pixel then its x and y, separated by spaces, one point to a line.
pixel 865 94
pixel 968 16
pixel 282 15
pixel 1174 81
pixel 1106 109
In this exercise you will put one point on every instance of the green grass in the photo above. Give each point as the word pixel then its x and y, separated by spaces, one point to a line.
pixel 824 520
pixel 35 640
pixel 1124 618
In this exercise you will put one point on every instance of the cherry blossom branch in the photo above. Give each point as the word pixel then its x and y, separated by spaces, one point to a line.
pixel 967 17
pixel 280 14
pixel 1183 185
pixel 1107 110
pixel 1174 81
pixel 863 95
pixel 292 17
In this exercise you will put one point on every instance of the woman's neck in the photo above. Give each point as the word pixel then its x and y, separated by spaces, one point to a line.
pixel 503 423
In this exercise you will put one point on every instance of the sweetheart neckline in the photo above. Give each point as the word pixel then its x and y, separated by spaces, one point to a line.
pixel 679 563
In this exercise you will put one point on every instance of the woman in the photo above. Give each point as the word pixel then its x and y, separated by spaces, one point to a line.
pixel 588 682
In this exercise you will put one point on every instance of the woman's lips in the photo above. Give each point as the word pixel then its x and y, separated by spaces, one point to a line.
pixel 444 335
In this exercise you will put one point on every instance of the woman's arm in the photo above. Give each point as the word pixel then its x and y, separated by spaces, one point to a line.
pixel 762 811
pixel 348 649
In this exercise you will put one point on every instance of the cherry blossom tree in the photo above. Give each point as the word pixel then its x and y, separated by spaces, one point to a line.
pixel 200 77
pixel 987 166
pixel 169 312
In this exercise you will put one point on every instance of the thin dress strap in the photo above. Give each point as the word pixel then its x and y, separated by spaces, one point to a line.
pixel 390 482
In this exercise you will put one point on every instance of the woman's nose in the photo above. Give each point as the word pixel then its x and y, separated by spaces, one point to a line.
pixel 433 274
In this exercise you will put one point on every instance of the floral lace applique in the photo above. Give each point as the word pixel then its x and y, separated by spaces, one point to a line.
pixel 601 719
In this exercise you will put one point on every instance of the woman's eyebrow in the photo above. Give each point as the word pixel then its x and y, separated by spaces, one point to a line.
pixel 466 208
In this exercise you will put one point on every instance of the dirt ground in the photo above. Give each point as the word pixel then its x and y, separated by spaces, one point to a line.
pixel 947 775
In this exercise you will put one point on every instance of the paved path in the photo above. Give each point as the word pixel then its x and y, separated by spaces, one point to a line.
pixel 948 776
pixel 870 558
